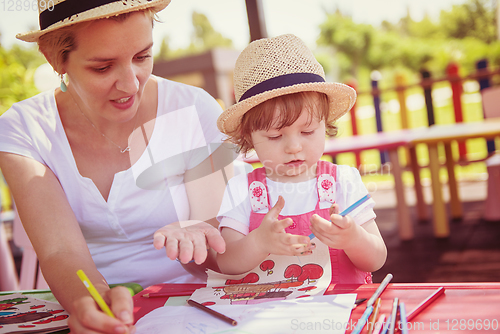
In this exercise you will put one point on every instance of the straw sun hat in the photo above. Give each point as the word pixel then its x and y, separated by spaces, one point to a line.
pixel 55 14
pixel 271 67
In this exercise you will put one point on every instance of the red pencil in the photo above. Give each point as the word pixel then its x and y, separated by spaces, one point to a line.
pixel 429 300
pixel 167 294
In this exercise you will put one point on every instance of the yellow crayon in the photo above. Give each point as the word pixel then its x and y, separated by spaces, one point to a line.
pixel 93 292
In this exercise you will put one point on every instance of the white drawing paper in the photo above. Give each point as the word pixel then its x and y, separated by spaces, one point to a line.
pixel 318 314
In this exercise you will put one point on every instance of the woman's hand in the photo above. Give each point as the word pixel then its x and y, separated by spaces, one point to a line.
pixel 272 238
pixel 87 317
pixel 189 240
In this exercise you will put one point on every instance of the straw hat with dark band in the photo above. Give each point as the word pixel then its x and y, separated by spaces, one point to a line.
pixel 55 14
pixel 271 67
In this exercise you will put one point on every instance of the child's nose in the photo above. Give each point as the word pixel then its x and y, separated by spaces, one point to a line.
pixel 293 146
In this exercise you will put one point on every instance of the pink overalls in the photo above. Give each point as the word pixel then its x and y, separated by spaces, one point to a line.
pixel 343 270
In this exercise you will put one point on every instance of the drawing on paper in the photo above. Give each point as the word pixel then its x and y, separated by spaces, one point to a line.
pixel 244 292
pixel 18 311
pixel 278 277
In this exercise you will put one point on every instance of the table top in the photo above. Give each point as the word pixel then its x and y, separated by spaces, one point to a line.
pixel 464 307
pixel 379 140
pixel 488 128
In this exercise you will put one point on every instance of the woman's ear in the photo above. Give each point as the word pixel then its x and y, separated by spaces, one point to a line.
pixel 48 57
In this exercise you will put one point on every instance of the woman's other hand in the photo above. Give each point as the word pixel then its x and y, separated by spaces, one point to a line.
pixel 87 317
pixel 189 240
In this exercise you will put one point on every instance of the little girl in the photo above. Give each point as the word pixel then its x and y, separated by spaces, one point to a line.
pixel 284 110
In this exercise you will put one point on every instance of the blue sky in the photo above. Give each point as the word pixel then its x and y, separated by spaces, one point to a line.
pixel 300 17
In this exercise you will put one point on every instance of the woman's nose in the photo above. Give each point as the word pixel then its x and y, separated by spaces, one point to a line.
pixel 127 81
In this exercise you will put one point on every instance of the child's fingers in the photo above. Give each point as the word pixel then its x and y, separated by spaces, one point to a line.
pixel 276 209
pixel 334 209
pixel 280 225
pixel 295 241
pixel 302 249
pixel 321 225
pixel 340 222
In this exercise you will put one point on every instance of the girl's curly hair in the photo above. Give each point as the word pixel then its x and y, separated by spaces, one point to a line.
pixel 287 109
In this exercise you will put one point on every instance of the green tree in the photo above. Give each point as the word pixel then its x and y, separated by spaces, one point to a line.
pixel 17 67
pixel 348 38
pixel 204 38
pixel 165 51
pixel 425 29
pixel 476 19
pixel 464 34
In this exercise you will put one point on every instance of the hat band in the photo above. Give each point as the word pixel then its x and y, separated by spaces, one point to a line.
pixel 66 9
pixel 281 81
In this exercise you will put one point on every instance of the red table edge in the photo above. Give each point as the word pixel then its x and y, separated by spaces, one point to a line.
pixel 142 305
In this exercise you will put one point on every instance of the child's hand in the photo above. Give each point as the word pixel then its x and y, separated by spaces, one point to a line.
pixel 272 238
pixel 340 233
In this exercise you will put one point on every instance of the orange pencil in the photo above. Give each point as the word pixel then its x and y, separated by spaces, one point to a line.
pixel 374 316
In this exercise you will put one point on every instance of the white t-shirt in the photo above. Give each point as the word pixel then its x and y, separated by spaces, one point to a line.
pixel 147 196
pixel 299 198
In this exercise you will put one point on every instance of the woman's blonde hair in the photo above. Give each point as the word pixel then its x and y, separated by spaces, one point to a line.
pixel 58 44
pixel 290 106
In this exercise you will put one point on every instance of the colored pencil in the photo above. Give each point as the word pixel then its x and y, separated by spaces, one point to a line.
pixel 350 209
pixel 402 318
pixel 167 294
pixel 212 312
pixel 429 300
pixel 362 321
pixel 386 325
pixel 379 324
pixel 394 316
pixel 380 289
pixel 359 301
pixel 369 305
pixel 374 316
pixel 355 205
pixel 94 293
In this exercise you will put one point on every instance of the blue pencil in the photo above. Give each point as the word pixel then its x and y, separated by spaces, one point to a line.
pixel 386 325
pixel 362 321
pixel 350 209
pixel 402 316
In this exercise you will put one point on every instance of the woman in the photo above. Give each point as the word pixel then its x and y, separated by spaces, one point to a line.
pixel 99 165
